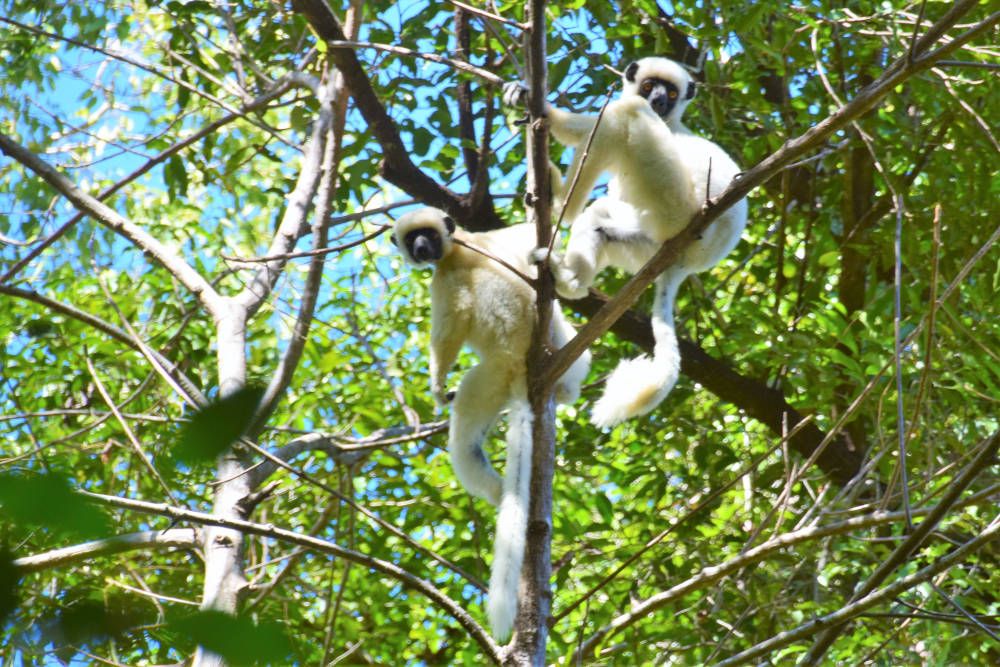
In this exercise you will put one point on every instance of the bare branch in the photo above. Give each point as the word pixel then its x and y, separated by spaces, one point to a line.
pixel 407 579
pixel 487 15
pixel 294 220
pixel 342 452
pixel 184 538
pixel 461 66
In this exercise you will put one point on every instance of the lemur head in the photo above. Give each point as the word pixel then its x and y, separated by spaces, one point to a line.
pixel 424 236
pixel 665 84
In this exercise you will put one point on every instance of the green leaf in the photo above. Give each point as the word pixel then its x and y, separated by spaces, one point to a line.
pixel 216 427
pixel 9 579
pixel 238 640
pixel 48 500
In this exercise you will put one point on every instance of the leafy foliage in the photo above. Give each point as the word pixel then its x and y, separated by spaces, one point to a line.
pixel 107 93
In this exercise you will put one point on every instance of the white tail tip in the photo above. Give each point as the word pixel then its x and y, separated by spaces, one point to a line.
pixel 634 388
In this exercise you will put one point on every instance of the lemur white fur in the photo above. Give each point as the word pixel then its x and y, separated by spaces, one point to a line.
pixel 477 301
pixel 662 175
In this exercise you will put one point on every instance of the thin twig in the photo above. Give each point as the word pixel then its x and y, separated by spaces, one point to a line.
pixel 146 539
pixel 485 75
pixel 316 252
pixel 487 15
pixel 583 160
pixel 898 354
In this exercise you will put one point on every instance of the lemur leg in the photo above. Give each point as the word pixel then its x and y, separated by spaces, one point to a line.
pixel 481 395
pixel 607 233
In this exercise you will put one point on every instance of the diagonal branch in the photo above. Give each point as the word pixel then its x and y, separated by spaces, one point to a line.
pixel 396 166
pixel 107 216
pixel 294 220
pixel 846 613
pixel 280 88
pixel 184 538
pixel 332 124
pixel 983 459
pixel 173 375
pixel 709 575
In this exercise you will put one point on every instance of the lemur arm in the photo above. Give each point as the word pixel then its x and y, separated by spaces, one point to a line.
pixel 570 129
pixel 447 337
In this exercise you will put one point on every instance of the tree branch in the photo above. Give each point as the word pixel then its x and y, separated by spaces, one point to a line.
pixel 294 221
pixel 333 97
pixel 846 613
pixel 161 364
pixel 184 538
pixel 341 452
pixel 709 575
pixel 983 459
pixel 107 216
pixel 279 89
pixel 396 166
pixel 535 596
pixel 761 402
pixel 407 579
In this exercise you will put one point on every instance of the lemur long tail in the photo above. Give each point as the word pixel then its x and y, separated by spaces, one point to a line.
pixel 636 386
pixel 512 522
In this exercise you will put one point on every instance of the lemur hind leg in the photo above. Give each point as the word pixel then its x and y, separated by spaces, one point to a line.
pixel 481 395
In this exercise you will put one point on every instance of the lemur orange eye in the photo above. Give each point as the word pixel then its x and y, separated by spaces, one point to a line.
pixel 647 86
pixel 672 94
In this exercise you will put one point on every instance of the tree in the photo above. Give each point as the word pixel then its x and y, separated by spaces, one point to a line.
pixel 213 376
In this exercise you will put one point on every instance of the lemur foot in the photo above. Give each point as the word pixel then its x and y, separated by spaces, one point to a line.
pixel 514 94
pixel 568 284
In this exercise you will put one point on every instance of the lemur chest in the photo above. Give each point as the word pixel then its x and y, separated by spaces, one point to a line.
pixel 498 313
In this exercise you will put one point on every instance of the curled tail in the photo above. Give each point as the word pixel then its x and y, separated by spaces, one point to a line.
pixel 636 386
pixel 512 522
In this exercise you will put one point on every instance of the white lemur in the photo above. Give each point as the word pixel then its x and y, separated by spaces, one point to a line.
pixel 478 301
pixel 662 175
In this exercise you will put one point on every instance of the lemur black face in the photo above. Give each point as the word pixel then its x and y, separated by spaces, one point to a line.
pixel 662 95
pixel 424 245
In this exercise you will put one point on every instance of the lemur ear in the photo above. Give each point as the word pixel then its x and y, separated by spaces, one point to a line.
pixel 392 237
pixel 449 224
pixel 631 71
pixel 691 90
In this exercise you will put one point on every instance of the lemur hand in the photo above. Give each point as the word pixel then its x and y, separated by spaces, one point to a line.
pixel 515 94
